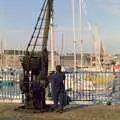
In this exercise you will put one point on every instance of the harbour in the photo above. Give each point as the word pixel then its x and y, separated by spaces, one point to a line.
pixel 88 71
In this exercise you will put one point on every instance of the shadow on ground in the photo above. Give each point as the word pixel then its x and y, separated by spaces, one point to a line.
pixel 73 107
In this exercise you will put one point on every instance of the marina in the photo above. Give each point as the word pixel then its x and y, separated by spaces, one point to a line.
pixel 88 71
pixel 59 59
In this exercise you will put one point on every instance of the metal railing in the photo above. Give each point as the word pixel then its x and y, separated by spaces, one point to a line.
pixel 9 87
pixel 79 86
pixel 86 85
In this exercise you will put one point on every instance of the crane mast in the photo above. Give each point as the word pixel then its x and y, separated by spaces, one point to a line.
pixel 35 62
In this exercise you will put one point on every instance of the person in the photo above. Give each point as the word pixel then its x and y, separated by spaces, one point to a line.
pixel 58 89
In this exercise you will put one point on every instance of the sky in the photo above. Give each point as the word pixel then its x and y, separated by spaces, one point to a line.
pixel 18 17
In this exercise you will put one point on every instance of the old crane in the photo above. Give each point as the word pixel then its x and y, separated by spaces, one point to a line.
pixel 35 61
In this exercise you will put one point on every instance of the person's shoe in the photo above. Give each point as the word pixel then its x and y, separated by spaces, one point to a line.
pixel 56 110
pixel 60 111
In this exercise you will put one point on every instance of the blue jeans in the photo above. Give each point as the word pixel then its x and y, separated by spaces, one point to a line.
pixel 58 96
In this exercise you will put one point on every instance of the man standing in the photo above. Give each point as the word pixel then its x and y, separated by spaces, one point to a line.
pixel 58 88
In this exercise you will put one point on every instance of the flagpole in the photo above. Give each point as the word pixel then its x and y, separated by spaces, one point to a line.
pixel 74 34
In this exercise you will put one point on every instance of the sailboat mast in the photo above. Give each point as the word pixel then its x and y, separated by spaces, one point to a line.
pixel 1 54
pixel 81 29
pixel 74 34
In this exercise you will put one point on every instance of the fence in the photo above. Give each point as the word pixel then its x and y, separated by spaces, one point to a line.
pixel 80 86
pixel 9 87
pixel 86 85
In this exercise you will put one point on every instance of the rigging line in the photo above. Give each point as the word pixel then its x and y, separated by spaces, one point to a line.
pixel 36 25
pixel 44 13
pixel 84 3
pixel 90 26
pixel 85 12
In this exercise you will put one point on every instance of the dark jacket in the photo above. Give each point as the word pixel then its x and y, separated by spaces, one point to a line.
pixel 58 80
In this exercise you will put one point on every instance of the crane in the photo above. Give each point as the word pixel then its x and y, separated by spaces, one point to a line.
pixel 35 61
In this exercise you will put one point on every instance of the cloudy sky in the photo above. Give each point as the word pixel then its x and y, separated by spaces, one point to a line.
pixel 18 17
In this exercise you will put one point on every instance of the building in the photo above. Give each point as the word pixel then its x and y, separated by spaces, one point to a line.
pixel 12 59
pixel 68 60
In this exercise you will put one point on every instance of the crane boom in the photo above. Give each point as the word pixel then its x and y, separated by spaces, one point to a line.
pixel 35 62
